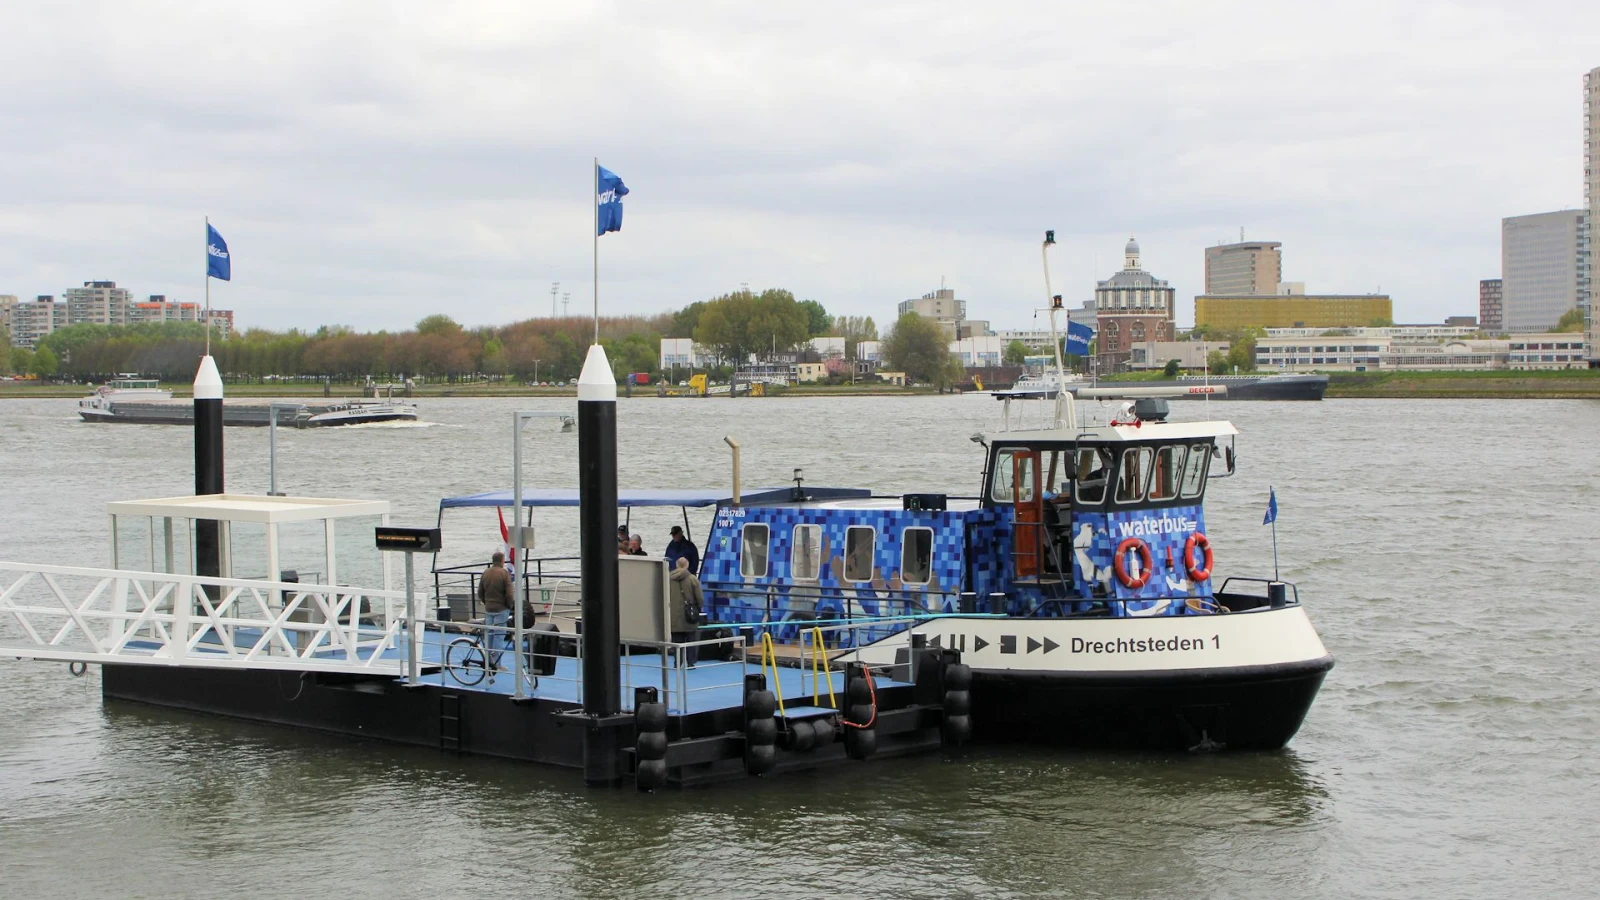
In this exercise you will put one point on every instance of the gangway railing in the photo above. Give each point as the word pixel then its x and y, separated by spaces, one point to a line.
pixel 86 615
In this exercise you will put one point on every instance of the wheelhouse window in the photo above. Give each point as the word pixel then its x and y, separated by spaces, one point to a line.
pixel 1013 476
pixel 1132 474
pixel 1168 471
pixel 858 548
pixel 1091 476
pixel 753 551
pixel 916 556
pixel 1194 472
pixel 805 552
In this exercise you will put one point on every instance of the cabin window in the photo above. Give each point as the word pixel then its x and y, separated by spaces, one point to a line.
pixel 858 547
pixel 1091 476
pixel 1013 477
pixel 805 552
pixel 916 556
pixel 1194 473
pixel 1133 474
pixel 1168 472
pixel 753 551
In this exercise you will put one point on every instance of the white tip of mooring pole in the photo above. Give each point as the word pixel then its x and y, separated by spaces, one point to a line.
pixel 595 382
pixel 207 381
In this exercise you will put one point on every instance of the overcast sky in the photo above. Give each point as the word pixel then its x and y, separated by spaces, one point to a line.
pixel 372 163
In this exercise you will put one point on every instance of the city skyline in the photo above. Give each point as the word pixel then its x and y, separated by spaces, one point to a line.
pixel 438 163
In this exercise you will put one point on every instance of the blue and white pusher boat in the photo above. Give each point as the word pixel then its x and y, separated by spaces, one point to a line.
pixel 1079 583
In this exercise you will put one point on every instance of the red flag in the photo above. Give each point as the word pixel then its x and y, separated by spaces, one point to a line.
pixel 505 538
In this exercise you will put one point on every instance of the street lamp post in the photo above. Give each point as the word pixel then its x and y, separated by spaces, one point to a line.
pixel 536 373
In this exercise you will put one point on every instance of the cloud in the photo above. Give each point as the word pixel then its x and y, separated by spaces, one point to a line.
pixel 371 163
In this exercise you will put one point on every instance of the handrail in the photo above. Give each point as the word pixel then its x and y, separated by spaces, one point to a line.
pixel 768 651
pixel 819 649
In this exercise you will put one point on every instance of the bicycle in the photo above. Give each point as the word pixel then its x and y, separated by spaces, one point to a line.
pixel 468 661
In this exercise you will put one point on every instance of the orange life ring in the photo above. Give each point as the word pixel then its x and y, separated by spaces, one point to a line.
pixel 1146 564
pixel 1196 573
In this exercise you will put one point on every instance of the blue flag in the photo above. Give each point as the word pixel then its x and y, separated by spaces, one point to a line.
pixel 609 192
pixel 218 264
pixel 1078 337
pixel 1272 507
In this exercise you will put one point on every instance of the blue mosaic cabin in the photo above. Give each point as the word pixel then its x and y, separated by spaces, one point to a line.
pixel 1068 524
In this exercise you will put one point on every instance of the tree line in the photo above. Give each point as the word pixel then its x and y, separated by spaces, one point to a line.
pixel 732 326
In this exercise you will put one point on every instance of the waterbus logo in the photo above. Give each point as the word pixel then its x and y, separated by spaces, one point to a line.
pixel 1163 525
pixel 216 251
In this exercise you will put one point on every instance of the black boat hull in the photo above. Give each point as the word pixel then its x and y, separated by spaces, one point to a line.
pixel 1253 708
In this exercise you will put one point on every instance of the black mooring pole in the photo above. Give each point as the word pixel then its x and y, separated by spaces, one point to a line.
pixel 597 520
pixel 208 465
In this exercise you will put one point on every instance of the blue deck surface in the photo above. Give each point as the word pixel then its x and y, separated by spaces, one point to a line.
pixel 709 686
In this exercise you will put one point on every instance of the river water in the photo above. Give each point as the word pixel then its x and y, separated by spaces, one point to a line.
pixel 1444 549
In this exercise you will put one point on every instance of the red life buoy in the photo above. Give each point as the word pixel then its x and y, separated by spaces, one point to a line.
pixel 1197 573
pixel 1146 564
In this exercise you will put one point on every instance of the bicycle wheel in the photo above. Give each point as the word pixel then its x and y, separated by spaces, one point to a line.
pixel 465 662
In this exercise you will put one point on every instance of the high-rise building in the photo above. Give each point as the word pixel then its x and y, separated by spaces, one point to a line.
pixel 7 303
pixel 1490 310
pixel 1254 267
pixel 98 303
pixel 1540 268
pixel 1131 307
pixel 31 321
pixel 1591 199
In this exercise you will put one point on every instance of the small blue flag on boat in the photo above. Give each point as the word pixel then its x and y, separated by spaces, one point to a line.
pixel 609 191
pixel 1272 507
pixel 1078 337
pixel 218 264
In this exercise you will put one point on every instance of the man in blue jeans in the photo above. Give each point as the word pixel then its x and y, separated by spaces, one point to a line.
pixel 494 590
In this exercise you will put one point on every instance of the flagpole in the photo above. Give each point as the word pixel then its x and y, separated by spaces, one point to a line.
pixel 1274 541
pixel 594 195
pixel 208 286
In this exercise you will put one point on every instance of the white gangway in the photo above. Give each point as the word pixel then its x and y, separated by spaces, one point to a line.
pixel 150 609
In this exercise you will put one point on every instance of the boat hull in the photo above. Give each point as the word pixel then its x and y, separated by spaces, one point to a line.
pixel 245 414
pixel 1221 709
pixel 1236 681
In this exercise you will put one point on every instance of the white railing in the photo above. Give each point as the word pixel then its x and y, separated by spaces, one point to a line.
pixel 121 616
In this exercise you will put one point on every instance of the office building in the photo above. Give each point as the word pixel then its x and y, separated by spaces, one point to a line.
pixel 1490 308
pixel 1293 310
pixel 1539 268
pixel 7 302
pixel 941 306
pixel 1131 307
pixel 1254 267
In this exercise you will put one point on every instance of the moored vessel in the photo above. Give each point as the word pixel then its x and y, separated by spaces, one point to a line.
pixel 142 401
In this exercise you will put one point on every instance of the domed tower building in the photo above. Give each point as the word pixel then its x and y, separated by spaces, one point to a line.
pixel 1131 307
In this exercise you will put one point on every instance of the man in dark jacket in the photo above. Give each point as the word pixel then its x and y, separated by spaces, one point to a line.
pixel 680 547
pixel 494 591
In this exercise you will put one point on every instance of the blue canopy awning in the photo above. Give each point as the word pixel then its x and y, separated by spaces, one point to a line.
pixel 760 496
pixel 569 497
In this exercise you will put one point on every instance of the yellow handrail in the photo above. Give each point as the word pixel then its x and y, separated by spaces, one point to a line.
pixel 819 649
pixel 769 652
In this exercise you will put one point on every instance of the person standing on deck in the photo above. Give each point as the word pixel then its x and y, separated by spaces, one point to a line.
pixel 687 601
pixel 494 590
pixel 680 547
